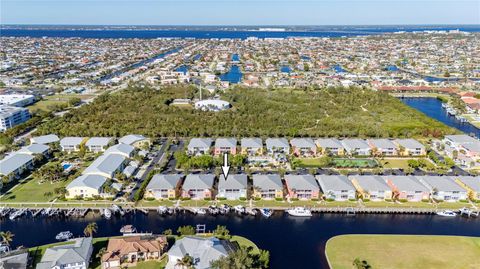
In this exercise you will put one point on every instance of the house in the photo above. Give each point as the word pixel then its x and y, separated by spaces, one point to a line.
pixel 277 145
pixel 225 145
pixel 75 255
pixel 410 147
pixel 70 144
pixel 198 186
pixel 86 186
pixel 336 187
pixel 303 187
pixel 14 259
pixel 98 144
pixel 251 146
pixel 267 186
pixel 35 149
pixel 199 146
pixel 471 184
pixel 407 188
pixel 11 116
pixel 138 141
pixel 15 164
pixel 164 186
pixel 203 250
pixel 371 187
pixel 443 188
pixel 304 147
pixel 121 149
pixel 466 145
pixel 129 250
pixel 107 165
pixel 330 146
pixel 355 147
pixel 383 147
pixel 44 139
pixel 234 188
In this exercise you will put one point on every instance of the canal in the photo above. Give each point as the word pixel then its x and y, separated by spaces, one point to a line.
pixel 292 242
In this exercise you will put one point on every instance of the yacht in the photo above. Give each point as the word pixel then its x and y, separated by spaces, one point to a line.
pixel 128 229
pixel 199 211
pixel 266 212
pixel 63 236
pixel 446 213
pixel 299 212
pixel 162 210
pixel 239 209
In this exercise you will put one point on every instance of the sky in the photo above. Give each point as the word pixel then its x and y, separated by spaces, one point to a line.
pixel 239 12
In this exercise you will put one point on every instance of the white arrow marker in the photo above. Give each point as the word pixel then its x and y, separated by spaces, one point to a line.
pixel 225 167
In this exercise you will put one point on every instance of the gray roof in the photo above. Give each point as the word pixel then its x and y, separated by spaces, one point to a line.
pixel 98 141
pixel 329 143
pixel 34 149
pixel 13 161
pixel 225 143
pixel 334 183
pixel 406 183
pixel 130 139
pixel 265 182
pixel 129 170
pixel 16 259
pixel 120 149
pixel 441 183
pixel 44 139
pixel 355 143
pixel 302 143
pixel 277 143
pixel 71 141
pixel 198 181
pixel 301 182
pixel 461 139
pixel 200 143
pixel 161 181
pixel 66 254
pixel 251 143
pixel 409 143
pixel 91 181
pixel 107 163
pixel 234 181
pixel 203 250
pixel 383 143
pixel 472 146
pixel 472 182
pixel 371 183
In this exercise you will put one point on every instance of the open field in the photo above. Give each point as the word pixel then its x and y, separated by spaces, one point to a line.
pixel 400 163
pixel 259 112
pixel 57 99
pixel 360 163
pixel 31 190
pixel 404 251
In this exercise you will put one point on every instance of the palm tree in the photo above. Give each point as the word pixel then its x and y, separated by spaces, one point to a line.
pixel 101 252
pixel 185 262
pixel 7 237
pixel 90 229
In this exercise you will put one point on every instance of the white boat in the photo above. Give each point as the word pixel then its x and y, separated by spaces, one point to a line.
pixel 17 214
pixel 299 212
pixel 239 209
pixel 162 210
pixel 107 213
pixel 447 213
pixel 199 211
pixel 62 236
pixel 128 229
pixel 266 212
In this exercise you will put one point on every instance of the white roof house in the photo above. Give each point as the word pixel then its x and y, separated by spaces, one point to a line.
pixel 97 144
pixel 198 181
pixel 106 165
pixel 121 149
pixel 132 139
pixel 164 181
pixel 277 143
pixel 336 187
pixel 14 163
pixel 70 143
pixel 44 139
pixel 34 149
pixel 76 255
pixel 443 188
pixel 86 186
pixel 254 143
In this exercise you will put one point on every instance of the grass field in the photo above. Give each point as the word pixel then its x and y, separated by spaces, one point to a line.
pixel 358 163
pixel 394 163
pixel 404 251
pixel 32 191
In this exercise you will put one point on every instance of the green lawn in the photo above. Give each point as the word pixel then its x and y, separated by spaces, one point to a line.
pixel 358 163
pixel 404 251
pixel 31 190
pixel 394 163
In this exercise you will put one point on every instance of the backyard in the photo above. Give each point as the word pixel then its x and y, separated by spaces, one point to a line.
pixel 30 190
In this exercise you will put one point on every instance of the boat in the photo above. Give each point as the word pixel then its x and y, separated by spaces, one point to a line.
pixel 224 209
pixel 299 212
pixel 16 214
pixel 213 210
pixel 162 210
pixel 251 211
pixel 107 213
pixel 446 213
pixel 63 236
pixel 199 211
pixel 266 212
pixel 128 229
pixel 4 248
pixel 239 209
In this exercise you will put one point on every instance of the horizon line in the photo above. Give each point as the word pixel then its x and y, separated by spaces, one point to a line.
pixel 238 25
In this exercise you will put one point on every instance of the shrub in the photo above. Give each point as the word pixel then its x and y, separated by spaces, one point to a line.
pixel 463 201
pixel 330 199
pixel 185 198
pixel 278 199
pixel 366 200
pixel 243 199
pixel 221 198
pixel 388 200
pixel 425 200
pixel 207 199
pixel 149 199
pixel 315 199
pixel 171 198
pixel 403 200
pixel 352 200
pixel 293 199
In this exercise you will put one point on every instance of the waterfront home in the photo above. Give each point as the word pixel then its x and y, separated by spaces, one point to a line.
pixel 383 147
pixel 86 186
pixel 15 164
pixel 71 144
pixel 268 186
pixel 199 146
pixel 121 149
pixel 277 145
pixel 251 146
pixel 164 186
pixel 407 188
pixel 44 139
pixel 371 187
pixel 356 147
pixel 225 145
pixel 198 186
pixel 330 146
pixel 443 188
pixel 98 144
pixel 234 188
pixel 107 165
pixel 12 116
pixel 35 149
pixel 75 254
pixel 138 141
pixel 303 147
pixel 410 147
pixel 336 187
pixel 129 250
pixel 303 187
pixel 464 144
pixel 203 250
pixel 14 259
pixel 471 184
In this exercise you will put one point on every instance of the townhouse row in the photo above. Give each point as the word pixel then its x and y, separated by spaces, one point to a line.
pixel 309 187
pixel 307 147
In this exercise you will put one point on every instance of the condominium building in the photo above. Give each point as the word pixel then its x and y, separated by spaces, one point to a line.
pixel 11 116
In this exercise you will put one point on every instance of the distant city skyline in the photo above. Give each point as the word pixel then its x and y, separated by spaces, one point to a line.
pixel 235 12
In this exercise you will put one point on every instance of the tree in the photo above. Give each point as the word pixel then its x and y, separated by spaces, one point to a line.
pixel 90 229
pixel 74 101
pixel 101 252
pixel 221 231
pixel 185 263
pixel 186 230
pixel 168 232
pixel 361 264
pixel 7 237
pixel 243 258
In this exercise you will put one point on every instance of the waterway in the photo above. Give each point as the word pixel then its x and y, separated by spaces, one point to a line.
pixel 432 107
pixel 234 75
